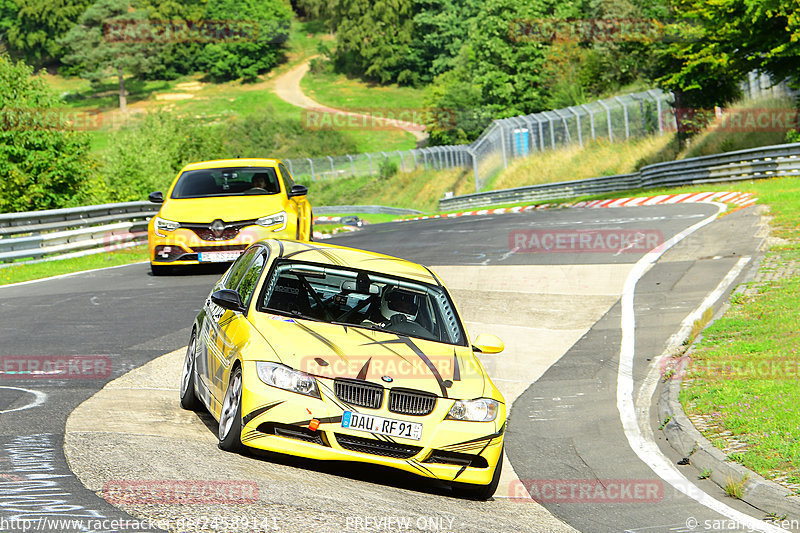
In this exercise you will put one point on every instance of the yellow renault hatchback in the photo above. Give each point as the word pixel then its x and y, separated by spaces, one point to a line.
pixel 215 209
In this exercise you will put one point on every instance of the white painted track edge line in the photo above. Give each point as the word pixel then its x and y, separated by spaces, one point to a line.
pixel 39 399
pixel 647 451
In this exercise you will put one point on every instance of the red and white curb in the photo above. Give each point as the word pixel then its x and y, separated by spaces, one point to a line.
pixel 741 199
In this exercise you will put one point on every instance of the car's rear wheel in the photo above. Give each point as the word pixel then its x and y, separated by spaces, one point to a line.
pixel 480 492
pixel 230 420
pixel 189 399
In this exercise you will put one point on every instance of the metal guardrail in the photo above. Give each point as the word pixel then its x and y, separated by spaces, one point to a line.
pixel 74 231
pixel 35 236
pixel 367 209
pixel 782 160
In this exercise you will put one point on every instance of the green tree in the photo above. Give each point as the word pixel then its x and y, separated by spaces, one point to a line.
pixel 264 29
pixel 374 38
pixel 720 42
pixel 104 43
pixel 39 25
pixel 8 17
pixel 440 30
pixel 44 165
pixel 175 56
pixel 498 72
pixel 457 110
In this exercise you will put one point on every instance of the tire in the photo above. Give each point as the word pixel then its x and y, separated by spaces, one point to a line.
pixel 230 419
pixel 189 399
pixel 480 492
pixel 160 270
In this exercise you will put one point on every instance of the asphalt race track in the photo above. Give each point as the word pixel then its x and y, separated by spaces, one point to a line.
pixel 558 310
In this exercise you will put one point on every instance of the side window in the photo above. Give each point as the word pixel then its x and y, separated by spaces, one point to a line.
pixel 240 267
pixel 287 178
pixel 250 278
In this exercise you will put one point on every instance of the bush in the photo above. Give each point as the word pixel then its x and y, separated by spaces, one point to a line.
pixel 387 169
pixel 146 155
pixel 44 165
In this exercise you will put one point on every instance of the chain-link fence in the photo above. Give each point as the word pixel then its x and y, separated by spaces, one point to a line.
pixel 619 118
pixel 435 158
pixel 615 119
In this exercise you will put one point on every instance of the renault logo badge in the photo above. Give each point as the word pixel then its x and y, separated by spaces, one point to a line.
pixel 217 228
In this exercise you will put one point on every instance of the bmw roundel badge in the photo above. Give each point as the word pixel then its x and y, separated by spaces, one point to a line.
pixel 387 379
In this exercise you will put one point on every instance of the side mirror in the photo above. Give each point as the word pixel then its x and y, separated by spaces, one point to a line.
pixel 228 299
pixel 488 343
pixel 156 197
pixel 298 190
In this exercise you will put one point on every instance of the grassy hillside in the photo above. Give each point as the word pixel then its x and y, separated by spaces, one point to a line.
pixel 190 96
pixel 417 190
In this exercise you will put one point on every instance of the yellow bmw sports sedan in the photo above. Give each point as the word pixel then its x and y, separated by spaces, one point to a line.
pixel 332 353
pixel 216 209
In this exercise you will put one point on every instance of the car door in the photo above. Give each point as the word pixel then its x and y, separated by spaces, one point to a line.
pixel 234 330
pixel 299 204
pixel 210 335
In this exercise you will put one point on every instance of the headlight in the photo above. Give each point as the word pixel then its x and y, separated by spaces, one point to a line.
pixel 480 410
pixel 285 378
pixel 162 224
pixel 273 220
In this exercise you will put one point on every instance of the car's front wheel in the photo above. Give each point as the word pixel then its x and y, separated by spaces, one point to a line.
pixel 189 399
pixel 230 419
pixel 480 492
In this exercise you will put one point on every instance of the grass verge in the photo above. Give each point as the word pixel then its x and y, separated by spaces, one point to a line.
pixel 341 92
pixel 18 273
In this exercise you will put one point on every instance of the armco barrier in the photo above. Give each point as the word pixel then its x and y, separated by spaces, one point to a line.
pixel 73 231
pixel 367 209
pixel 782 160
pixel 35 236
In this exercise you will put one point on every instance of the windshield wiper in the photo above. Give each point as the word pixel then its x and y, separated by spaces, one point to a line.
pixel 376 327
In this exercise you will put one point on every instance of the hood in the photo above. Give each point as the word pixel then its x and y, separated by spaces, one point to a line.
pixel 227 208
pixel 328 350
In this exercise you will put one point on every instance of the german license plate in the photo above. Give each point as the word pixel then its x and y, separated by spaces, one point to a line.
pixel 219 257
pixel 382 426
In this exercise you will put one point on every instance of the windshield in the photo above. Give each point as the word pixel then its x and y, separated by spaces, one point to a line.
pixel 226 182
pixel 358 298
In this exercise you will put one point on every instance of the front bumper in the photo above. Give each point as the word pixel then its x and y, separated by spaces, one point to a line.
pixel 449 450
pixel 184 247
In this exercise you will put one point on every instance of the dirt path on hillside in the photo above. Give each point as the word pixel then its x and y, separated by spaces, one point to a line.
pixel 287 87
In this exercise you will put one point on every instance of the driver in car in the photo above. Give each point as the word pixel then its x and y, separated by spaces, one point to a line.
pixel 259 181
pixel 397 306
